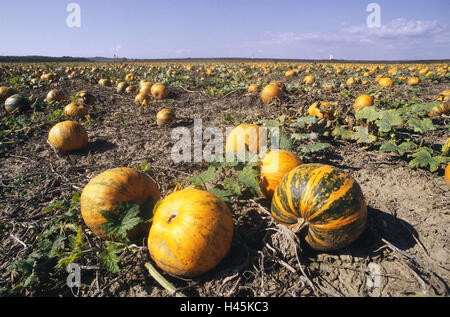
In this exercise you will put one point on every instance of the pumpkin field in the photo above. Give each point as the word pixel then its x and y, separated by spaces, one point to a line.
pixel 93 202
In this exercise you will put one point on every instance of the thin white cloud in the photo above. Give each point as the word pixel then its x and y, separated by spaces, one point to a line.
pixel 398 39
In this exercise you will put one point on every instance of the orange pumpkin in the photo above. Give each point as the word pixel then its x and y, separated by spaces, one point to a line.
pixel 246 136
pixel 129 77
pixel 273 167
pixel 159 91
pixel 385 82
pixel 105 82
pixel 6 92
pixel 121 86
pixel 289 73
pixel 130 89
pixel 436 111
pixel 55 95
pixel 362 102
pixel 107 190
pixel 142 99
pixel 271 92
pixel 68 136
pixel 308 80
pixel 253 88
pixel 165 117
pixel 413 81
pixel 145 87
pixel 84 97
pixel 75 110
pixel 191 233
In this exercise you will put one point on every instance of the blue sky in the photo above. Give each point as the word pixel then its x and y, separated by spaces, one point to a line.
pixel 228 28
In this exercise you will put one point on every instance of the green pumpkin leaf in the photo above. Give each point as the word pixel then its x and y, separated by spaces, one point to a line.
pixel 343 133
pixel 304 136
pixel 362 135
pixel 368 113
pixel 126 217
pixel 388 147
pixel 221 194
pixel 248 178
pixel 233 185
pixel 388 120
pixel 304 121
pixel 203 178
pixel 109 257
pixel 406 147
pixel 423 158
pixel 421 126
pixel 391 146
pixel 315 147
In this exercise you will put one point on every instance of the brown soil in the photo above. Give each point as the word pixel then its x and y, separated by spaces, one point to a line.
pixel 406 240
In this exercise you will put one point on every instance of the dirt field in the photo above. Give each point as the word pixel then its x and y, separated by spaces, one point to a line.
pixel 404 250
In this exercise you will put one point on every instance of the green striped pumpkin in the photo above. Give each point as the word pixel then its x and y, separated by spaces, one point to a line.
pixel 324 199
pixel 436 111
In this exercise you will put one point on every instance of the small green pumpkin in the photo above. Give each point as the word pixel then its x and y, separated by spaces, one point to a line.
pixel 16 103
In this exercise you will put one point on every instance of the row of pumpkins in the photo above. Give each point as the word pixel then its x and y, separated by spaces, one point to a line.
pixel 322 109
pixel 192 230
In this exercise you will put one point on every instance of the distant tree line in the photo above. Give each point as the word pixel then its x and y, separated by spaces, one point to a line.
pixel 40 59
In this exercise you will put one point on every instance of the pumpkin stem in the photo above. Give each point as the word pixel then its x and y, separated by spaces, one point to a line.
pixel 162 281
pixel 172 216
pixel 299 225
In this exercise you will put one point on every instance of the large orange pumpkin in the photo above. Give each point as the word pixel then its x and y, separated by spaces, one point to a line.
pixel 246 136
pixel 105 82
pixel 308 80
pixel 271 92
pixel 191 232
pixel 107 190
pixel 253 88
pixel 273 167
pixel 68 136
pixel 324 199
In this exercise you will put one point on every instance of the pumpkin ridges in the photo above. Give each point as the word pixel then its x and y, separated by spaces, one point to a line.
pixel 331 199
pixel 326 200
pixel 311 185
pixel 342 236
